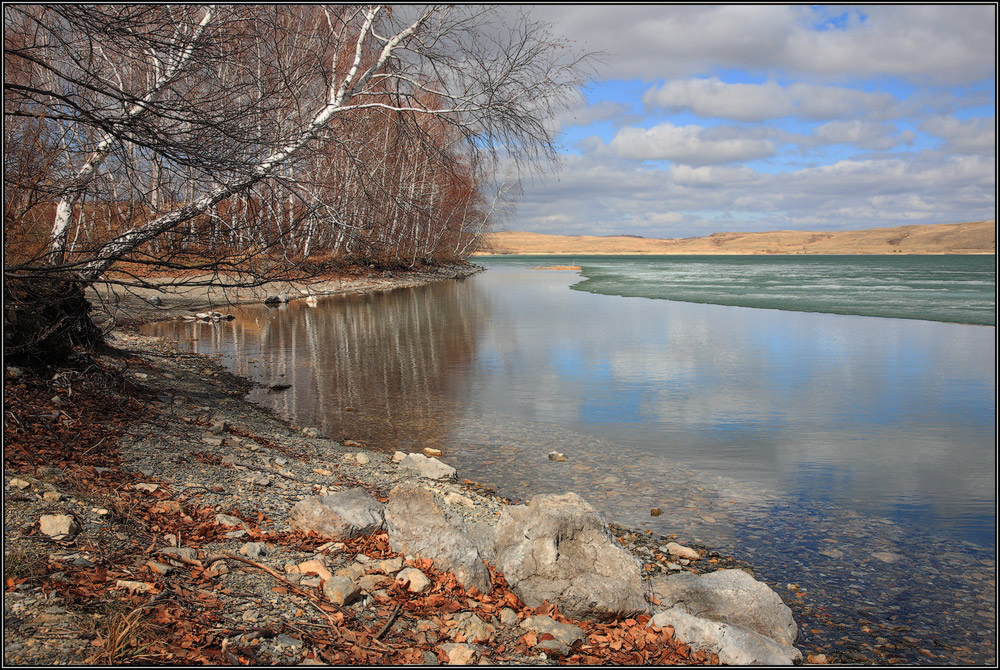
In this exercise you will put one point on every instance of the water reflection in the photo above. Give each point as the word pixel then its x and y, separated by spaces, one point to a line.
pixel 885 416
pixel 378 368
pixel 803 442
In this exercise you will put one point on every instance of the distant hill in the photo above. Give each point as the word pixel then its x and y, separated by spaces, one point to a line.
pixel 949 238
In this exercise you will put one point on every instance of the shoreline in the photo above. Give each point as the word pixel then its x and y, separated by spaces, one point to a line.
pixel 202 471
pixel 138 304
pixel 726 253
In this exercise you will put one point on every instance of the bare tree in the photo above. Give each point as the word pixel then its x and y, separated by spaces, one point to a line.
pixel 242 138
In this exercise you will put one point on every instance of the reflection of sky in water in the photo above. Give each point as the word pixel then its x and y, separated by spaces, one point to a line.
pixel 877 413
pixel 889 416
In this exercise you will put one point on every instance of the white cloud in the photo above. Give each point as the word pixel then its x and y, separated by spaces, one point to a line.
pixel 816 102
pixel 605 196
pixel 711 176
pixel 690 145
pixel 585 115
pixel 975 136
pixel 713 98
pixel 862 134
pixel 881 80
pixel 941 44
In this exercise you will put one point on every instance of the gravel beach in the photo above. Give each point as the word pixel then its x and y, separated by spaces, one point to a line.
pixel 177 546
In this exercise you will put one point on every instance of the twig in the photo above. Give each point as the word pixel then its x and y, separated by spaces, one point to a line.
pixel 313 600
pixel 95 446
pixel 295 587
pixel 388 622
pixel 263 469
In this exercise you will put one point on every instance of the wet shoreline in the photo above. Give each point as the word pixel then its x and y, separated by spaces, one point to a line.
pixel 848 604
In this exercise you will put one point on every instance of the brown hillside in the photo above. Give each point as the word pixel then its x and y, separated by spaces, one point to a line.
pixel 951 238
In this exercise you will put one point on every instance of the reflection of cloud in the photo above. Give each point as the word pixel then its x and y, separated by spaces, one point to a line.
pixel 893 409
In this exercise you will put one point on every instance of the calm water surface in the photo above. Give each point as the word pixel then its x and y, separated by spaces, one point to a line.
pixel 805 442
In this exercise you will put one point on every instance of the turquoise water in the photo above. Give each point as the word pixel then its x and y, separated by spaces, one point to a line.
pixel 955 289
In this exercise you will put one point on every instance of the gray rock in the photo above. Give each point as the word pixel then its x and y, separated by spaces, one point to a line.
pixel 472 627
pixel 558 548
pixel 414 580
pixel 484 536
pixel 735 645
pixel 458 654
pixel 341 590
pixel 729 596
pixel 156 300
pixel 58 525
pixel 420 524
pixel 564 632
pixel 228 520
pixel 431 468
pixel 508 617
pixel 888 556
pixel 217 426
pixel 254 549
pixel 681 551
pixel 340 515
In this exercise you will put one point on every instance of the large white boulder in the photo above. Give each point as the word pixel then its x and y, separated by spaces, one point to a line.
pixel 559 548
pixel 729 596
pixel 734 644
pixel 342 514
pixel 430 468
pixel 421 524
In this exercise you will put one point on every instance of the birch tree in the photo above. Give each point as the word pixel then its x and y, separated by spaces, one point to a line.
pixel 182 125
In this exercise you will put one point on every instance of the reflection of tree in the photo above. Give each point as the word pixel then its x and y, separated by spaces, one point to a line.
pixel 381 368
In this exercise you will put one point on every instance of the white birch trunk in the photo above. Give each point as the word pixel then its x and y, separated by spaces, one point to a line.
pixel 64 210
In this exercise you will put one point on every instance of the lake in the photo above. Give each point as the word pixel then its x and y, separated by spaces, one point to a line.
pixel 851 457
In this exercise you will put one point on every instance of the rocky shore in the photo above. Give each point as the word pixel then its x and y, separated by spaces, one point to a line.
pixel 161 518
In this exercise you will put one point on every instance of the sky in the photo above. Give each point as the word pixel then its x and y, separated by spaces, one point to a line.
pixel 741 118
